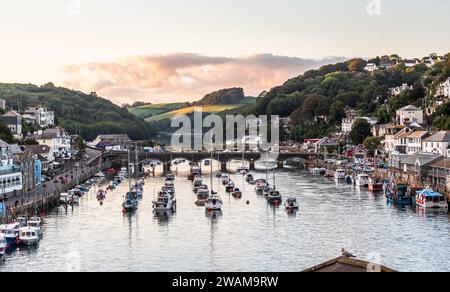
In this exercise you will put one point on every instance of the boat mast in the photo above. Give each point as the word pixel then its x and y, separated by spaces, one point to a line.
pixel 129 170
pixel 267 166
pixel 212 186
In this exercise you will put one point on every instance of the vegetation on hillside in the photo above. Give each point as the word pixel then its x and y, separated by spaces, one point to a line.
pixel 86 114
pixel 326 91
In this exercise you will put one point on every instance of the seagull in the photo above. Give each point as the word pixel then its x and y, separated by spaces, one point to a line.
pixel 347 254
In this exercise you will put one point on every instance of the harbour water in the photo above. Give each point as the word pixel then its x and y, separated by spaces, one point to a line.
pixel 243 237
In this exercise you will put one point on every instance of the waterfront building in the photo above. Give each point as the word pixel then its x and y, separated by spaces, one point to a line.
pixel 438 143
pixel 13 121
pixel 390 138
pixel 416 167
pixel 440 175
pixel 42 117
pixel 408 115
pixel 415 140
pixel 37 172
pixel 113 142
pixel 58 140
pixel 10 173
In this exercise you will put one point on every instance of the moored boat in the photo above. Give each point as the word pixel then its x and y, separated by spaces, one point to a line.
pixel 12 234
pixel 274 198
pixel 213 203
pixel 229 188
pixel 165 202
pixel 362 180
pixel 340 174
pixel 429 199
pixel 28 236
pixel 375 184
pixel 237 193
pixel 260 185
pixel 397 193
pixel 3 245
pixel 291 204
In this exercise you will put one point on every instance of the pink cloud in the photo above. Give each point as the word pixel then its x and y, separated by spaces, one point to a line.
pixel 183 77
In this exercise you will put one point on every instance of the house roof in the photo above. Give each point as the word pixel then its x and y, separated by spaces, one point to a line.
pixel 11 114
pixel 39 149
pixel 442 136
pixel 16 149
pixel 444 163
pixel 410 108
pixel 423 158
pixel 346 265
pixel 419 134
pixel 50 133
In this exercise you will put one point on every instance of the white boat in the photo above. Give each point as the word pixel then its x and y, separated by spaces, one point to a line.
pixel 28 236
pixel 225 178
pixel 165 203
pixel 429 199
pixel 100 174
pixel 261 184
pixel 69 199
pixel 243 170
pixel 291 204
pixel 36 226
pixel 214 203
pixel 362 180
pixel 203 192
pixel 3 245
pixel 198 181
pixel 340 174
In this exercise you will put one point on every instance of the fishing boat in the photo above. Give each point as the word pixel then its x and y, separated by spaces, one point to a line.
pixel 198 181
pixel 165 203
pixel 329 173
pixel 28 236
pixel 3 245
pixel 291 204
pixel 340 174
pixel 249 178
pixel 101 195
pixel 375 184
pixel 274 198
pixel 362 180
pixel 396 193
pixel 237 193
pixel 213 203
pixel 12 234
pixel 429 199
pixel 229 188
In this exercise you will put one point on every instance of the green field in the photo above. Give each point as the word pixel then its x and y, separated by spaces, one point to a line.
pixel 148 111
pixel 188 110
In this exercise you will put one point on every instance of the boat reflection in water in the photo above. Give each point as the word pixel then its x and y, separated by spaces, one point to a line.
pixel 214 215
pixel 163 216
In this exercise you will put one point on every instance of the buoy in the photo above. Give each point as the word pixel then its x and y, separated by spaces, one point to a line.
pixel 248 202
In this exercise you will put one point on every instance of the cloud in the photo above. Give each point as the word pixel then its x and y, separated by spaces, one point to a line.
pixel 183 76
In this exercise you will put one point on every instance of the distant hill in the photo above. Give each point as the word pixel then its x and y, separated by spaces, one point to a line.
pixel 87 114
pixel 224 96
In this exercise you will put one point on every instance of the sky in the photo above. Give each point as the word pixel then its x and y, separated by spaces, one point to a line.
pixel 178 50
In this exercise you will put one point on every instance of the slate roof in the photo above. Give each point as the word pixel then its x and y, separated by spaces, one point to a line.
pixel 442 136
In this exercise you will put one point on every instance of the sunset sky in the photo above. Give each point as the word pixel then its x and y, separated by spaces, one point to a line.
pixel 176 50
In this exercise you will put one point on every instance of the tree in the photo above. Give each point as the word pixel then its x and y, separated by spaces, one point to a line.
pixel 360 131
pixel 356 65
pixel 337 111
pixel 5 134
pixel 372 144
pixel 383 115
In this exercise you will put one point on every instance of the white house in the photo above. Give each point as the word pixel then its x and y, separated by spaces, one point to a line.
pixel 371 67
pixel 438 143
pixel 10 173
pixel 409 114
pixel 43 118
pixel 58 140
pixel 415 140
pixel 2 104
pixel 347 123
pixel 399 89
pixel 443 89
pixel 410 63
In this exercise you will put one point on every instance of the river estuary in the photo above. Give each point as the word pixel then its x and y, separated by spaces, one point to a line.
pixel 245 237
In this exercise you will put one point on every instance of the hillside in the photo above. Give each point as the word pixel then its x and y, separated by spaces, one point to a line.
pixel 148 111
pixel 88 115
pixel 224 97
pixel 328 90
